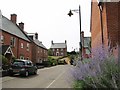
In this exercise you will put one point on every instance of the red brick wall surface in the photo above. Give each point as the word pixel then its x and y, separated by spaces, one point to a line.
pixel 17 50
pixel 111 24
pixel 23 51
pixel 59 52
pixel 95 25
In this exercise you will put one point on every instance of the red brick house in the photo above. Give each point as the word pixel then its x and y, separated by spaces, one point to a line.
pixel 86 46
pixel 59 49
pixel 105 23
pixel 39 51
pixel 13 35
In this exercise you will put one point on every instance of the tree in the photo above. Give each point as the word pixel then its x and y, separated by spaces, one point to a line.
pixel 49 52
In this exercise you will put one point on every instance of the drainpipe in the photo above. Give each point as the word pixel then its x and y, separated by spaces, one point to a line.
pixel 101 22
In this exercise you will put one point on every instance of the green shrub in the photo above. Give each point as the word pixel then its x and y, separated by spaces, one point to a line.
pixel 52 61
pixel 4 60
pixel 102 71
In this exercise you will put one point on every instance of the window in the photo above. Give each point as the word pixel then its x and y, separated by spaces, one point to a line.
pixel 29 63
pixel 12 42
pixel 21 45
pixel 27 46
pixel 61 54
pixel 61 49
pixel 2 38
pixel 18 63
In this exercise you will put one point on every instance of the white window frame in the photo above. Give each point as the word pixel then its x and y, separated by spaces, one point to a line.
pixel 28 46
pixel 22 45
pixel 2 38
pixel 12 42
pixel 61 49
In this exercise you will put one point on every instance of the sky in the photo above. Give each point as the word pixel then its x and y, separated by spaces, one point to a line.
pixel 50 20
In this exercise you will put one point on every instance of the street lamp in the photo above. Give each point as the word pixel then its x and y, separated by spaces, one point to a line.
pixel 70 14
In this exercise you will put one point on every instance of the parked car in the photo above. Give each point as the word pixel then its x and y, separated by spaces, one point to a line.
pixel 22 67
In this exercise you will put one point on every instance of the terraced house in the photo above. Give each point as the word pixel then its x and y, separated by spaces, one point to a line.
pixel 105 24
pixel 15 42
pixel 39 51
pixel 59 49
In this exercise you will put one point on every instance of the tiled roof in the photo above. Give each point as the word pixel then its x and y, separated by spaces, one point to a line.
pixel 37 42
pixel 58 45
pixel 12 28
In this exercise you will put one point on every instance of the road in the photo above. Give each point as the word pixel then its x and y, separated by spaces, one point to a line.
pixel 53 77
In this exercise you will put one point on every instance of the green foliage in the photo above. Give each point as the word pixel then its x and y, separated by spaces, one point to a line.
pixel 49 52
pixel 108 77
pixel 52 61
pixel 78 85
pixel 4 60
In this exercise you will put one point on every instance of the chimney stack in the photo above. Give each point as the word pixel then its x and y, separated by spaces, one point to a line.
pixel 21 25
pixel 52 42
pixel 65 42
pixel 14 18
pixel 36 35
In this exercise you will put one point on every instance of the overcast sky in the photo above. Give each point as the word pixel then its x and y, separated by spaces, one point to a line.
pixel 49 18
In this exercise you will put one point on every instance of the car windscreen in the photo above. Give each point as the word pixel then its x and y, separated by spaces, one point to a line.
pixel 18 63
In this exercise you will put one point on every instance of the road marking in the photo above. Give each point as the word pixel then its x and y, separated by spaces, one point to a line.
pixel 54 80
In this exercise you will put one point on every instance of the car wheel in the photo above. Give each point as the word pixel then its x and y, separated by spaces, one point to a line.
pixel 10 73
pixel 26 73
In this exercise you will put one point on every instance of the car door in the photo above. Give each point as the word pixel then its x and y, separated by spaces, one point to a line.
pixel 31 67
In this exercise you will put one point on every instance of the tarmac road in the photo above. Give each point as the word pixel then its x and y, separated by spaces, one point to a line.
pixel 53 77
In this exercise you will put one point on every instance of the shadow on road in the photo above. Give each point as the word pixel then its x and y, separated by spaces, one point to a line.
pixel 23 77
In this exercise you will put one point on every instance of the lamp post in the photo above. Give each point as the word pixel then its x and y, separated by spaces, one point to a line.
pixel 70 14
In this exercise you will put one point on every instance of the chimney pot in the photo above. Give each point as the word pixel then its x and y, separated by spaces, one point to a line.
pixel 82 33
pixel 52 42
pixel 36 35
pixel 65 42
pixel 21 25
pixel 14 18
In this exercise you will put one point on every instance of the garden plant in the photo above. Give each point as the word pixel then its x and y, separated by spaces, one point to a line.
pixel 101 71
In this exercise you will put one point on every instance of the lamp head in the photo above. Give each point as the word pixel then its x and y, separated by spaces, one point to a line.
pixel 70 13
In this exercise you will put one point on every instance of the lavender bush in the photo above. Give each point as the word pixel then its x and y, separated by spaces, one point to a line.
pixel 100 72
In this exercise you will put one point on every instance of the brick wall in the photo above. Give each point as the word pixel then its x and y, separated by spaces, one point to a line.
pixel 39 54
pixel 24 51
pixel 17 50
pixel 7 39
pixel 58 50
pixel 111 22
pixel 95 25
